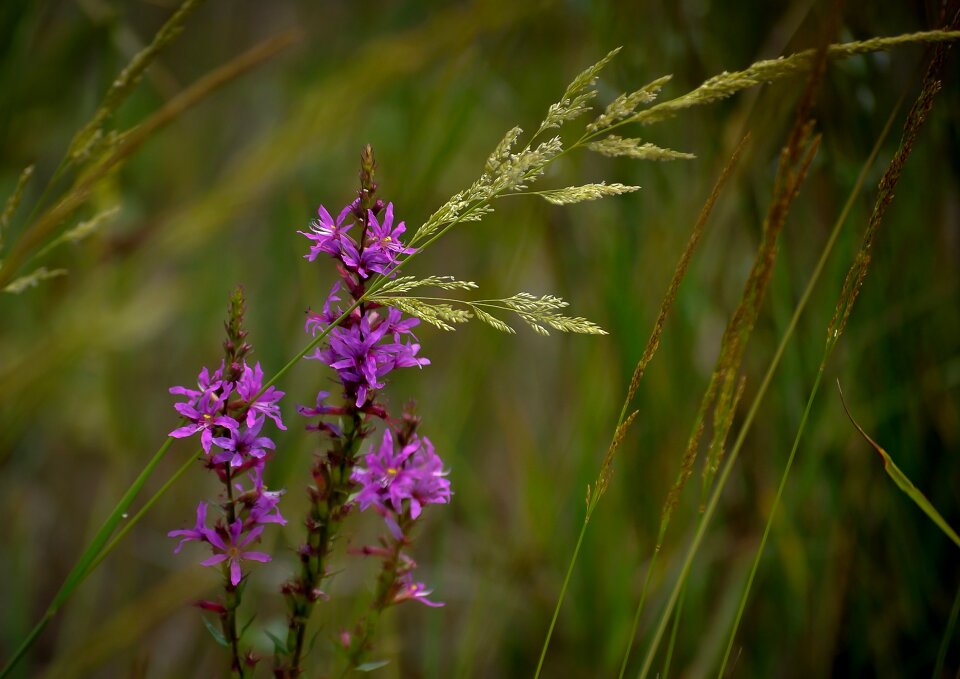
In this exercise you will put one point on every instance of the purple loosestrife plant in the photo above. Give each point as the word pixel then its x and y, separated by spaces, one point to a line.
pixel 229 412
pixel 371 342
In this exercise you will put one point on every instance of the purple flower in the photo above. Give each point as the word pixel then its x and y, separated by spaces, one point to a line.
pixel 385 236
pixel 318 322
pixel 198 533
pixel 204 415
pixel 232 551
pixel 383 479
pixel 428 482
pixel 205 381
pixel 322 410
pixel 356 354
pixel 264 507
pixel 266 404
pixel 414 591
pixel 326 234
pixel 364 262
pixel 243 443
pixel 415 474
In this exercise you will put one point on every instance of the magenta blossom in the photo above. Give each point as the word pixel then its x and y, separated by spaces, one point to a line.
pixel 414 591
pixel 385 236
pixel 198 533
pixel 204 415
pixel 388 478
pixel 231 551
pixel 244 443
pixel 326 234
pixel 266 404
pixel 205 381
pixel 383 479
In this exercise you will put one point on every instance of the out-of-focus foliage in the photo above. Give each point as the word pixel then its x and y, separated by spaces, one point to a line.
pixel 856 580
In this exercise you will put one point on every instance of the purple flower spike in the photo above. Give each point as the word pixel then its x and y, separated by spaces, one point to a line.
pixel 243 444
pixel 198 533
pixel 266 405
pixel 204 415
pixel 326 234
pixel 232 551
pixel 414 591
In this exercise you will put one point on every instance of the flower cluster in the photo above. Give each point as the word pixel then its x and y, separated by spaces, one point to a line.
pixel 363 347
pixel 229 414
pixel 367 345
pixel 379 242
pixel 402 481
pixel 398 481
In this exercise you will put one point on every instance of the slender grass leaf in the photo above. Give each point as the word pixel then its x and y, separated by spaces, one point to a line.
pixel 901 479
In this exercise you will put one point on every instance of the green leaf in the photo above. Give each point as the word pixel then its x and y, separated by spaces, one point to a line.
pixel 214 632
pixel 243 630
pixel 902 481
pixel 279 645
pixel 372 665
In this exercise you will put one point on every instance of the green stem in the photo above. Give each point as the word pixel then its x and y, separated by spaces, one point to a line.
pixel 87 558
pixel 673 635
pixel 755 405
pixel 636 614
pixel 828 350
pixel 563 592
pixel 947 634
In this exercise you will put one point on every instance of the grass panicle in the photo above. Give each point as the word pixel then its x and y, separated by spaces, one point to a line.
pixel 130 141
pixel 769 70
pixel 795 158
pixel 596 491
pixel 33 279
pixel 689 457
pixel 83 145
pixel 580 194
pixel 848 294
pixel 13 202
pixel 537 312
pixel 637 149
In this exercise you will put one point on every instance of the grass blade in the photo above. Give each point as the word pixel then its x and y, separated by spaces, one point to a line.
pixel 902 481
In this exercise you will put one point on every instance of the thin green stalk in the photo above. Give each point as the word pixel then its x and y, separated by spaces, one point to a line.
pixel 817 271
pixel 673 635
pixel 563 592
pixel 947 634
pixel 130 523
pixel 82 567
pixel 773 510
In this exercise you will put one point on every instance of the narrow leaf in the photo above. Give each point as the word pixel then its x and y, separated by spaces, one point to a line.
pixel 372 665
pixel 214 632
pixel 279 645
pixel 901 479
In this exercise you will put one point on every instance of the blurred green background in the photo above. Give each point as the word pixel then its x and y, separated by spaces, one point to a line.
pixel 856 580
